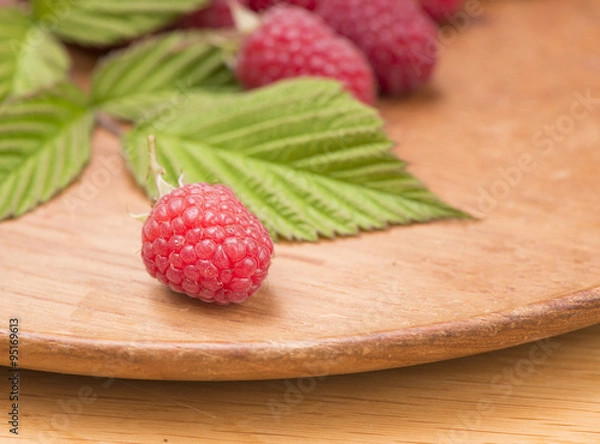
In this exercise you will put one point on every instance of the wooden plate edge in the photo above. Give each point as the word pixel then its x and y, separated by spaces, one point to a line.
pixel 292 359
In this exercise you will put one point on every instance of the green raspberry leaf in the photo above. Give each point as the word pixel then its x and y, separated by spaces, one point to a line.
pixel 106 22
pixel 30 58
pixel 304 156
pixel 162 72
pixel 44 144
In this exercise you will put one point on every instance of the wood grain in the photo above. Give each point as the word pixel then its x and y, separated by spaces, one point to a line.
pixel 539 393
pixel 505 132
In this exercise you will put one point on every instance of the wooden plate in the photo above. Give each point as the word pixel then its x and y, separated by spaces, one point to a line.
pixel 505 132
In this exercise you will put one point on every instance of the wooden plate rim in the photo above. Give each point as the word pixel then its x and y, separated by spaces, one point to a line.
pixel 290 359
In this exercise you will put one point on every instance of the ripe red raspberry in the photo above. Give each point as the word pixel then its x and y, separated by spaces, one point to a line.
pixel 200 240
pixel 215 15
pixel 293 42
pixel 259 5
pixel 441 10
pixel 397 37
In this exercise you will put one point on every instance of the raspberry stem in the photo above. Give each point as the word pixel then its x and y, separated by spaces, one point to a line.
pixel 156 170
pixel 245 20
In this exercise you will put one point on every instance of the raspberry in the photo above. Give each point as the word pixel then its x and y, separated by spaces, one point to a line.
pixel 441 10
pixel 397 37
pixel 293 42
pixel 259 5
pixel 200 240
pixel 215 15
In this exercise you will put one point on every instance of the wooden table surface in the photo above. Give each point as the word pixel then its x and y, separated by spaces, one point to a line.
pixel 544 392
